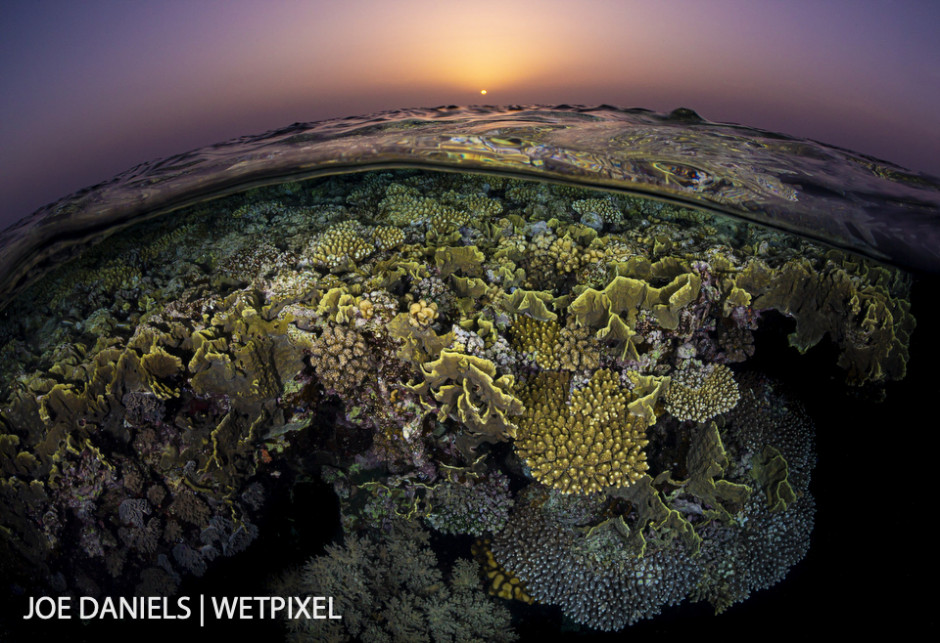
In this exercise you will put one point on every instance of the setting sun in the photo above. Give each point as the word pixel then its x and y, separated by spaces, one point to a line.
pixel 483 91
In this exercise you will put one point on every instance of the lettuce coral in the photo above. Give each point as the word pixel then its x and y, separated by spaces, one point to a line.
pixel 468 389
pixel 615 310
pixel 855 305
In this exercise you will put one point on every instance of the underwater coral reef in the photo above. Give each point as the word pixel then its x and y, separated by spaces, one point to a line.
pixel 556 380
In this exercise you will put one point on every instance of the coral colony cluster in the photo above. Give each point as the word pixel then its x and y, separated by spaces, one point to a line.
pixel 558 373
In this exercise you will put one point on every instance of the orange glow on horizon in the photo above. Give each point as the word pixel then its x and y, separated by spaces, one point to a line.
pixel 438 47
pixel 129 97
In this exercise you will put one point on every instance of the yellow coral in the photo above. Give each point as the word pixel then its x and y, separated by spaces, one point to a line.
pixel 465 259
pixel 422 314
pixel 340 246
pixel 700 394
pixel 502 583
pixel 366 308
pixel 468 390
pixel 341 358
pixel 552 257
pixel 388 237
pixel 584 444
pixel 577 350
pixel 553 347
pixel 536 338
pixel 533 303
pixel 566 253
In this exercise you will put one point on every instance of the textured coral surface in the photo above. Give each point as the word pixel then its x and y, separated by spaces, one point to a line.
pixel 561 372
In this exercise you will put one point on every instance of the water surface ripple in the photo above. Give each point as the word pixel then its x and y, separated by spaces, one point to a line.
pixel 829 194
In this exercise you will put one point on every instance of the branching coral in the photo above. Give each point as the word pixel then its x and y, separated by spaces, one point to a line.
pixel 388 237
pixel 700 394
pixel 603 209
pixel 707 537
pixel 341 358
pixel 552 347
pixel 182 365
pixel 341 247
pixel 584 444
pixel 393 590
pixel 537 340
pixel 473 506
pixel 594 576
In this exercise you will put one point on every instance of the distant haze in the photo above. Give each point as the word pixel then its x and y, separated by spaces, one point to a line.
pixel 90 89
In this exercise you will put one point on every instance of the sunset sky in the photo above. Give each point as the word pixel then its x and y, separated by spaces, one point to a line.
pixel 89 89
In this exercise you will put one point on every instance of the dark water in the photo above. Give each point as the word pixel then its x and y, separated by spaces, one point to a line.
pixel 200 401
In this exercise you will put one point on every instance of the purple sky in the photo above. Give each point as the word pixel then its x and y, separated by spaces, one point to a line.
pixel 89 89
